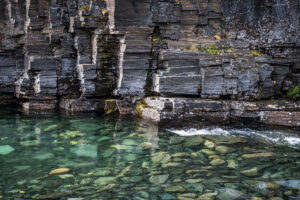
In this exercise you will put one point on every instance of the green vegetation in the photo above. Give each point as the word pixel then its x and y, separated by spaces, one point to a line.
pixel 191 48
pixel 254 53
pixel 212 50
pixel 294 93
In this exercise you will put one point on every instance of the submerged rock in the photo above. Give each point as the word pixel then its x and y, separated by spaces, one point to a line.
pixel 176 140
pixel 29 143
pixel 59 171
pixel 6 149
pixel 85 150
pixel 186 196
pixel 102 172
pixel 198 180
pixel 231 194
pixel 207 152
pixel 70 134
pixel 159 179
pixel 224 149
pixel 105 180
pixel 207 196
pixel 251 172
pixel 43 156
pixel 53 127
pixel 160 157
pixel 170 164
pixel 209 144
pixel 176 188
pixel 166 196
pixel 129 142
pixel 217 161
pixel 232 164
pixel 258 155
pixel 193 141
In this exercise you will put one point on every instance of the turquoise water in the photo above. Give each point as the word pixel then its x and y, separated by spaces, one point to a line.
pixel 124 158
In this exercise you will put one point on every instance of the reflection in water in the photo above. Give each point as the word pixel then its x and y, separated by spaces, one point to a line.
pixel 96 157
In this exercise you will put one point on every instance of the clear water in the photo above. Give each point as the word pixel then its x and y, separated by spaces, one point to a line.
pixel 114 158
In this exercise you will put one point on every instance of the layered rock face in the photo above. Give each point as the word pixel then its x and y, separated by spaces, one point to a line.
pixel 76 54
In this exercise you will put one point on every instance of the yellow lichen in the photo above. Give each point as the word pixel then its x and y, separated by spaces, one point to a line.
pixel 191 48
pixel 217 37
pixel 105 12
pixel 140 106
pixel 110 106
pixel 254 53
pixel 212 50
pixel 85 8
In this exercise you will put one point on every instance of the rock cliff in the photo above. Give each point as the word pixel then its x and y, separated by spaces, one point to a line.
pixel 167 58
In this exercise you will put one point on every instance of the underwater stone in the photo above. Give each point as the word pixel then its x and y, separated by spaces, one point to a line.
pixel 85 150
pixel 176 188
pixel 43 156
pixel 160 157
pixel 176 140
pixel 170 164
pixel 179 155
pixel 145 146
pixel 130 157
pixel 216 162
pixel 207 152
pixel 207 196
pixel 223 149
pixel 257 155
pixel 229 194
pixel 101 172
pixel 6 149
pixel 199 180
pixel 186 196
pixel 193 141
pixel 209 144
pixel 129 142
pixel 166 196
pixel 251 172
pixel 59 171
pixel 159 179
pixel 232 164
pixel 105 180
pixel 29 143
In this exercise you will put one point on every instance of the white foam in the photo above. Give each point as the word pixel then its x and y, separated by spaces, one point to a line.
pixel 192 132
pixel 278 137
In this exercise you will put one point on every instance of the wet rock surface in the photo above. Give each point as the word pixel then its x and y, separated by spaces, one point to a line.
pixel 74 55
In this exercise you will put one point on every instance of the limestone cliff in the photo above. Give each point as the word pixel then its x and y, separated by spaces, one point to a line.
pixel 76 54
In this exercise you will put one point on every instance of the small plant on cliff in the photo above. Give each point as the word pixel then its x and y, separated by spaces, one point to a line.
pixel 294 93
pixel 212 50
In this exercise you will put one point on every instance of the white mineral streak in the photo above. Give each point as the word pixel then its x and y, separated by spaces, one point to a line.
pixel 50 27
pixel 27 59
pixel 37 84
pixel 110 4
pixel 10 20
pixel 91 5
pixel 79 68
pixel 27 20
pixel 71 25
pixel 80 14
pixel 156 83
pixel 94 42
pixel 120 64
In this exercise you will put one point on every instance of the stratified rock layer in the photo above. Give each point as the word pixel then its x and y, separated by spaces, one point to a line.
pixel 75 54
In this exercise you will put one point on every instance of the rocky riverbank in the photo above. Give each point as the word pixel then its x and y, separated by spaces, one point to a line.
pixel 77 55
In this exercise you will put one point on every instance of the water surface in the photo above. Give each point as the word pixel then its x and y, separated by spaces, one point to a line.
pixel 117 158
